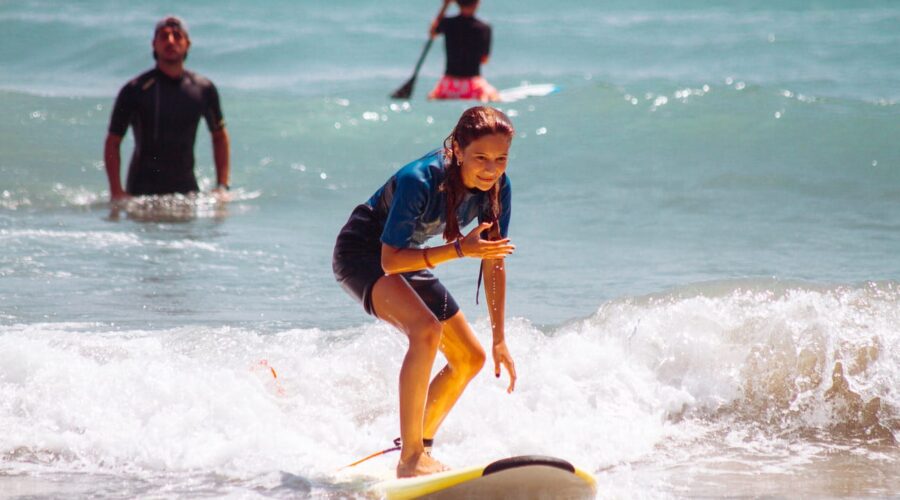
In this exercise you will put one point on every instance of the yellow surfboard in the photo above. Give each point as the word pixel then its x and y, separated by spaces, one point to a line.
pixel 525 477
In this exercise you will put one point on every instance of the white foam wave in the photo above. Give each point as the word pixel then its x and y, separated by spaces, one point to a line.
pixel 761 373
pixel 102 239
pixel 95 239
pixel 769 353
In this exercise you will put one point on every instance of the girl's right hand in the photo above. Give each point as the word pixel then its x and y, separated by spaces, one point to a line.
pixel 474 246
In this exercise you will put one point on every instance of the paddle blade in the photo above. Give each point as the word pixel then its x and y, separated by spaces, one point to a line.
pixel 405 91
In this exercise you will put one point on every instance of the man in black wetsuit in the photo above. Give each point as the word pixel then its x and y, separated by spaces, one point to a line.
pixel 467 41
pixel 163 107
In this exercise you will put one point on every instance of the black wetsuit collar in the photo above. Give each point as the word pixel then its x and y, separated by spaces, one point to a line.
pixel 162 74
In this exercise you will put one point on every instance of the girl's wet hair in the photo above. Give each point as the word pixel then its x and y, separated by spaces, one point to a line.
pixel 475 123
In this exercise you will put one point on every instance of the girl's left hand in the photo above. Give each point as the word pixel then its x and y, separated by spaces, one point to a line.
pixel 502 357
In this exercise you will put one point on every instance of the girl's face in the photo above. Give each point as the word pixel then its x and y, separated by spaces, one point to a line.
pixel 483 161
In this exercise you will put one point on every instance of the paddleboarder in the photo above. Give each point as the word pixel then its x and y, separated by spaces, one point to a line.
pixel 467 42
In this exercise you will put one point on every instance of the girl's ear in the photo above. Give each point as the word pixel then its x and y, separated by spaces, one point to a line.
pixel 457 151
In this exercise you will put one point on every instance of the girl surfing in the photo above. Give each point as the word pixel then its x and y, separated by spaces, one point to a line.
pixel 380 259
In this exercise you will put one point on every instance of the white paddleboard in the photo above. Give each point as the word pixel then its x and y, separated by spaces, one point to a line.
pixel 531 90
pixel 522 477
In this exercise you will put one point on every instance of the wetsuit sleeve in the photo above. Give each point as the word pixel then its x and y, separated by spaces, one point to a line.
pixel 122 111
pixel 505 207
pixel 442 25
pixel 213 112
pixel 486 41
pixel 408 205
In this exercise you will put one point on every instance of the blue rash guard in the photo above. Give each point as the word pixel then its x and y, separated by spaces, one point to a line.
pixel 405 212
pixel 414 209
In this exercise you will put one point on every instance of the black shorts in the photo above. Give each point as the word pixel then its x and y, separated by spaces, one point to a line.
pixel 357 266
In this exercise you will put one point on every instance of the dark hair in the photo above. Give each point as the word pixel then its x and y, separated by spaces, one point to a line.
pixel 466 3
pixel 474 124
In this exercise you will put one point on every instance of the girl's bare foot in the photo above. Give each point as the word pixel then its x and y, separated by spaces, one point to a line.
pixel 419 465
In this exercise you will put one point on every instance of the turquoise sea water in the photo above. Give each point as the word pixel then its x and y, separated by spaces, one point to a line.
pixel 705 289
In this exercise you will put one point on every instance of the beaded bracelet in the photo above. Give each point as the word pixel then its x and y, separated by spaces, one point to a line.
pixel 458 246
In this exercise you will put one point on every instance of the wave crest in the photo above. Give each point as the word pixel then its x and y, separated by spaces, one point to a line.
pixel 786 357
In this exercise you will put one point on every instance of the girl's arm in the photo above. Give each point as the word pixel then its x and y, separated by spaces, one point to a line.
pixel 403 260
pixel 495 292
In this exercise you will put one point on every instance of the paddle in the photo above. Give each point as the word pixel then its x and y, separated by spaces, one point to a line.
pixel 405 91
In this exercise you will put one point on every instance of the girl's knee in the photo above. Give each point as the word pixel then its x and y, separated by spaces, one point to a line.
pixel 426 333
pixel 476 361
pixel 470 363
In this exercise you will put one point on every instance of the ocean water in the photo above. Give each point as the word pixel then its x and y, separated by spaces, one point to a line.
pixel 704 301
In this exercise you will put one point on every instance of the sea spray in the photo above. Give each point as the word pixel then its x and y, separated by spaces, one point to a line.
pixel 788 361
